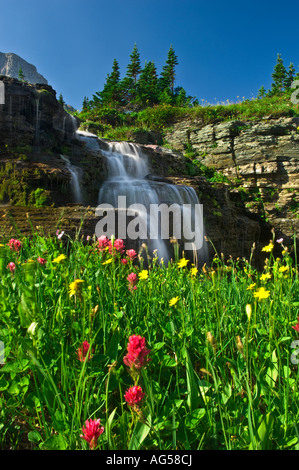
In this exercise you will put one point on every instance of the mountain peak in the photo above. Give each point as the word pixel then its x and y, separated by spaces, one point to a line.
pixel 11 63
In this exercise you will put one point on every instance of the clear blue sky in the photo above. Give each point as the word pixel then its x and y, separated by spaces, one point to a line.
pixel 225 49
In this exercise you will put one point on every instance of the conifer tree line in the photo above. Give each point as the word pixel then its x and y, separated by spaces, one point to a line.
pixel 141 87
pixel 282 79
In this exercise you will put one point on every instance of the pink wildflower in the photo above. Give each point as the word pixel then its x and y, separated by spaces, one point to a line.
pixel 296 327
pixel 11 266
pixel 103 243
pixel 131 254
pixel 82 353
pixel 124 261
pixel 41 261
pixel 280 240
pixel 133 279
pixel 117 246
pixel 137 352
pixel 134 395
pixel 14 244
pixel 92 431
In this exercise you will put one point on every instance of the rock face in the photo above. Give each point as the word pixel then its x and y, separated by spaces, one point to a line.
pixel 260 157
pixel 10 64
pixel 39 145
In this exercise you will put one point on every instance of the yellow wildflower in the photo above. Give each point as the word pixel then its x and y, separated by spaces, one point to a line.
pixel 265 276
pixel 251 286
pixel 262 293
pixel 282 269
pixel 143 274
pixel 108 261
pixel 75 287
pixel 173 301
pixel 268 248
pixel 59 258
pixel 182 263
pixel 248 311
pixel 194 271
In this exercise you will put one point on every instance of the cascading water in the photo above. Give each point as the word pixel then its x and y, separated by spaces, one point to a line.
pixel 76 174
pixel 128 178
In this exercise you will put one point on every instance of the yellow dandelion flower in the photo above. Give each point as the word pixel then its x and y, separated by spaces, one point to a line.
pixel 251 286
pixel 143 274
pixel 268 248
pixel 193 271
pixel 173 301
pixel 182 263
pixel 265 276
pixel 108 261
pixel 262 293
pixel 59 258
pixel 75 287
pixel 283 269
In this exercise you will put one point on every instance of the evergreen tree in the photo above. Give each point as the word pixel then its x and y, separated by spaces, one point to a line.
pixel 134 67
pixel 61 100
pixel 110 95
pixel 279 76
pixel 262 92
pixel 290 76
pixel 21 76
pixel 147 92
pixel 167 77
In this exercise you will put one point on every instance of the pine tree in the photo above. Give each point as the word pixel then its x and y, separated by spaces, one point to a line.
pixel 147 92
pixel 61 100
pixel 168 74
pixel 110 95
pixel 21 76
pixel 290 76
pixel 134 67
pixel 279 76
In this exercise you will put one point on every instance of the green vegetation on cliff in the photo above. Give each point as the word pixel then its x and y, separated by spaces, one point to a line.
pixel 143 101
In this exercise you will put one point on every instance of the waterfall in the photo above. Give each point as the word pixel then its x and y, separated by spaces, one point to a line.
pixel 76 174
pixel 90 140
pixel 129 182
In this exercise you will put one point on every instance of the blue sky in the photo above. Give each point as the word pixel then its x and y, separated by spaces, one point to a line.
pixel 225 49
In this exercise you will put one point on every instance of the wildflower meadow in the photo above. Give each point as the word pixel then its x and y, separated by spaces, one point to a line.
pixel 100 352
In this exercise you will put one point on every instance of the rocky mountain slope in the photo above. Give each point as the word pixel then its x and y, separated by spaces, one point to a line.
pixel 11 63
pixel 260 158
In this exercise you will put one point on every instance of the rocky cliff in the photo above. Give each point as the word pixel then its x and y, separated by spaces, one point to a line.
pixel 261 160
pixel 10 64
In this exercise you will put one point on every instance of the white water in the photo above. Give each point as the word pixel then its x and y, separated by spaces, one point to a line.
pixel 76 174
pixel 127 169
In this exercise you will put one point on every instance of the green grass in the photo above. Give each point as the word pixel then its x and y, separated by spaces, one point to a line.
pixel 161 117
pixel 221 374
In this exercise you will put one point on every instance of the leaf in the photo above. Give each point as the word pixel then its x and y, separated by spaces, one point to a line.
pixel 263 433
pixel 140 432
pixel 272 371
pixel 192 419
pixel 112 350
pixel 17 366
pixel 34 436
pixel 4 384
pixel 56 442
pixel 192 385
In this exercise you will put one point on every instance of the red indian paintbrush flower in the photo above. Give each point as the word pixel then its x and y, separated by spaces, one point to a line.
pixel 14 244
pixel 82 353
pixel 137 352
pixel 92 432
pixel 134 396
pixel 131 254
pixel 117 246
pixel 296 327
pixel 11 266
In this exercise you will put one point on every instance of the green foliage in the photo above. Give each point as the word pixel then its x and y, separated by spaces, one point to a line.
pixel 221 374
